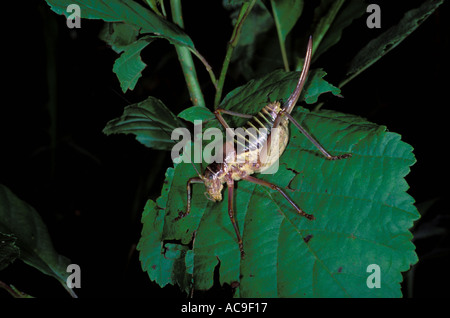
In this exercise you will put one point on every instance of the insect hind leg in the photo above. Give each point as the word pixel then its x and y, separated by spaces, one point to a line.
pixel 313 140
pixel 275 187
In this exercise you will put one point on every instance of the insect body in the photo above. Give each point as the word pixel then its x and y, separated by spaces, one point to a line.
pixel 258 154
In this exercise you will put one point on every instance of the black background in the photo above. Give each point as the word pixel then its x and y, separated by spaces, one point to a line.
pixel 92 197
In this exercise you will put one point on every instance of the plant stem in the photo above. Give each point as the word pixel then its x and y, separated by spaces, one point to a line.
pixel 283 54
pixel 280 38
pixel 207 66
pixel 245 10
pixel 185 58
pixel 13 291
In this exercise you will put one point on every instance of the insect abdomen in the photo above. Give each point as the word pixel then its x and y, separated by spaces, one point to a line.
pixel 253 135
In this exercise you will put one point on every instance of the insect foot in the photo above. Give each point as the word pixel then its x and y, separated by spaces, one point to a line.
pixel 309 216
pixel 344 156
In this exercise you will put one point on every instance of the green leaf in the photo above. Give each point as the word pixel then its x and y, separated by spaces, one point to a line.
pixel 129 66
pixel 231 4
pixel 153 4
pixel 165 263
pixel 324 15
pixel 277 85
pixel 196 113
pixel 129 12
pixel 361 207
pixel 150 121
pixel 256 25
pixel 118 35
pixel 328 31
pixel 8 250
pixel 286 14
pixel 20 220
pixel 388 40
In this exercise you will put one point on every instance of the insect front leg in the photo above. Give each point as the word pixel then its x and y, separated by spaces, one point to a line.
pixel 230 184
pixel 275 187
pixel 189 197
pixel 218 113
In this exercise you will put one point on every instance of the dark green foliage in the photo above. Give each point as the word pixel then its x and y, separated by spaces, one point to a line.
pixel 26 237
pixel 362 215
pixel 363 212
